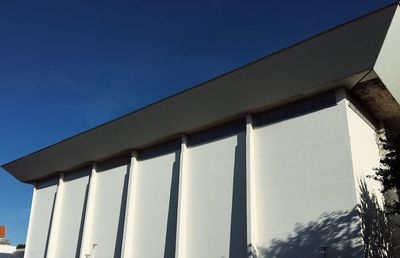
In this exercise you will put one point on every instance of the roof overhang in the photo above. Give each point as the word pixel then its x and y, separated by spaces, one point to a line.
pixel 340 57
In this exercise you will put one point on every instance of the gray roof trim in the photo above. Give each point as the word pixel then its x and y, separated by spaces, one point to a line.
pixel 339 57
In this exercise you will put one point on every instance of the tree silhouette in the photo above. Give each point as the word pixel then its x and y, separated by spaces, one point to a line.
pixel 359 232
pixel 389 171
pixel 376 232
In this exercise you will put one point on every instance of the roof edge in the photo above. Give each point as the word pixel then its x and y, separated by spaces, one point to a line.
pixel 210 80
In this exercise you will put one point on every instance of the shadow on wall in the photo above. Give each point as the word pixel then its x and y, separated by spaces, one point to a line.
pixel 121 220
pixel 375 227
pixel 238 238
pixel 338 234
pixel 169 249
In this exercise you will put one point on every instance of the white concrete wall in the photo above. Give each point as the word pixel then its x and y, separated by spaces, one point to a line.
pixel 303 173
pixel 212 168
pixel 154 207
pixel 364 153
pixel 388 61
pixel 67 238
pixel 105 226
pixel 40 220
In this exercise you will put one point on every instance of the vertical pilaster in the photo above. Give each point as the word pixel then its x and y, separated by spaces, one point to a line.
pixel 56 221
pixel 86 246
pixel 182 202
pixel 129 214
pixel 251 189
pixel 32 212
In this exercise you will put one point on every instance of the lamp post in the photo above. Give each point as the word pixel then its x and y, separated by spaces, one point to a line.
pixel 324 251
pixel 93 246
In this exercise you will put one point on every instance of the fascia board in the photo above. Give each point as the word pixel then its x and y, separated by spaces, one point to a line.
pixel 387 65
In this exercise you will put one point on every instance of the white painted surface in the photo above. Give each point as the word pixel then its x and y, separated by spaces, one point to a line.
pixel 251 183
pixel 303 170
pixel 70 225
pixel 295 171
pixel 129 213
pixel 6 249
pixel 210 175
pixel 365 153
pixel 388 61
pixel 56 219
pixel 182 201
pixel 32 211
pixel 40 221
pixel 152 206
pixel 89 213
pixel 107 224
pixel 9 251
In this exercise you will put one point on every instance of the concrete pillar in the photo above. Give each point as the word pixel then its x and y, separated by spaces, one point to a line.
pixel 129 213
pixel 87 245
pixel 250 190
pixel 182 202
pixel 56 221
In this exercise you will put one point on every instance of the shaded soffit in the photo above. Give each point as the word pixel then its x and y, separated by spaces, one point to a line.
pixel 338 57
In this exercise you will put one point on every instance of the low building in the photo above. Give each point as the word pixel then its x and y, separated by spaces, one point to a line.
pixel 7 250
pixel 269 160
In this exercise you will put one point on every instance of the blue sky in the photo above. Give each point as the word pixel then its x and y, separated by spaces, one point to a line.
pixel 68 66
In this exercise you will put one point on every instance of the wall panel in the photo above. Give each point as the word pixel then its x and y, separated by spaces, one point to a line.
pixel 40 222
pixel 305 186
pixel 69 236
pixel 215 214
pixel 155 206
pixel 109 208
pixel 365 153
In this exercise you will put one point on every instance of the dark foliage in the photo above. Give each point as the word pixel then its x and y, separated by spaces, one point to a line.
pixel 376 232
pixel 389 171
pixel 20 246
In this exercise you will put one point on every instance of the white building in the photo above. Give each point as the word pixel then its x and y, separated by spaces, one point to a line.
pixel 9 251
pixel 6 250
pixel 267 158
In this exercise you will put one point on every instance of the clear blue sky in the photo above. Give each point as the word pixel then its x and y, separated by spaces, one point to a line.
pixel 66 67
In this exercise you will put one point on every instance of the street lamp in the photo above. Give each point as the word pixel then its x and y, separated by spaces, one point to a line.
pixel 324 250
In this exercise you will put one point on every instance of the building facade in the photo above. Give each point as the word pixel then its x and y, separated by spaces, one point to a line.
pixel 269 160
